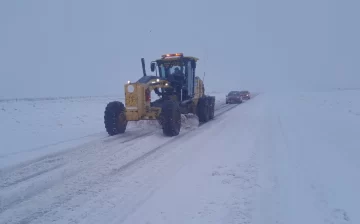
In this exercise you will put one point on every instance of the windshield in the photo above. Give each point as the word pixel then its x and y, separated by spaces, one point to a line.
pixel 233 93
pixel 171 67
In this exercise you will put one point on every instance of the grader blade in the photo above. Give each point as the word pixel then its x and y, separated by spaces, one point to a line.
pixel 189 120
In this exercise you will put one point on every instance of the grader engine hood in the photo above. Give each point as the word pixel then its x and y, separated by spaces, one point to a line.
pixel 134 93
pixel 138 97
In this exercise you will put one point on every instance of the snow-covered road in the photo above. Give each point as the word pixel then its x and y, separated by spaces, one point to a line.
pixel 275 159
pixel 70 178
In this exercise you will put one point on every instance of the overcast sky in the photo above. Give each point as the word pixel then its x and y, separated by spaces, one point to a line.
pixel 87 47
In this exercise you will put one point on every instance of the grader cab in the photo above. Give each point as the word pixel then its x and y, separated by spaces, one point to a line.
pixel 180 91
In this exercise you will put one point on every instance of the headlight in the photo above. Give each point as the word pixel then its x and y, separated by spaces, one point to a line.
pixel 130 88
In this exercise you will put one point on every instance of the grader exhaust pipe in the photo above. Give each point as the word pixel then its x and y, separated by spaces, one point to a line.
pixel 143 66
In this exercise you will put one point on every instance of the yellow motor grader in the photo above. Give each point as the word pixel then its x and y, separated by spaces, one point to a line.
pixel 180 91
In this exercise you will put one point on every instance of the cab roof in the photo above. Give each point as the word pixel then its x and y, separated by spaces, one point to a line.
pixel 176 56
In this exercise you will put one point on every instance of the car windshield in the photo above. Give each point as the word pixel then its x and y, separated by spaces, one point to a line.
pixel 233 93
pixel 244 92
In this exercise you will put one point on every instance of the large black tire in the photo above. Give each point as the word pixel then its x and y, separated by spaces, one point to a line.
pixel 115 118
pixel 203 109
pixel 212 108
pixel 170 118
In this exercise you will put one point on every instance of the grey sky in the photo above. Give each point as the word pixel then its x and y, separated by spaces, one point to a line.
pixel 87 47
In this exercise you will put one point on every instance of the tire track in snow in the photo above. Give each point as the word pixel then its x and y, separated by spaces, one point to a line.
pixel 8 182
pixel 69 172
pixel 173 140
pixel 18 188
pixel 30 167
pixel 48 145
pixel 70 149
pixel 125 137
pixel 56 160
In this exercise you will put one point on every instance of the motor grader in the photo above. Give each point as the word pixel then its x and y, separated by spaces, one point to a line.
pixel 180 92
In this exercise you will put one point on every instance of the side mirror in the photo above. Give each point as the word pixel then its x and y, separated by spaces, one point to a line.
pixel 152 66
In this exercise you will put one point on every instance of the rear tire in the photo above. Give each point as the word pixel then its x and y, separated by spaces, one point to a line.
pixel 170 118
pixel 203 109
pixel 212 108
pixel 115 118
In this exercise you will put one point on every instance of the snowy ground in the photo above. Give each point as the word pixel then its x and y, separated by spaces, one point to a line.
pixel 35 127
pixel 278 158
pixel 30 128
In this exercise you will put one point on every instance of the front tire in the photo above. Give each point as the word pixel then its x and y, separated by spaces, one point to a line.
pixel 115 118
pixel 170 118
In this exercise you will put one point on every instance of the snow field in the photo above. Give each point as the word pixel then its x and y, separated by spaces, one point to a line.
pixel 319 132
